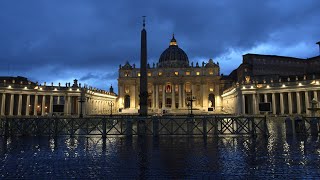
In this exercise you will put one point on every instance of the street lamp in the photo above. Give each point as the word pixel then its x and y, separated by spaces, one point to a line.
pixel 82 100
pixel 111 103
pixel 190 100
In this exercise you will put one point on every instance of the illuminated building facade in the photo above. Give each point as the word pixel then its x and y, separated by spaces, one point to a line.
pixel 21 97
pixel 171 82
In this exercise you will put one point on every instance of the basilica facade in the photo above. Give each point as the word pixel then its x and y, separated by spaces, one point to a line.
pixel 173 84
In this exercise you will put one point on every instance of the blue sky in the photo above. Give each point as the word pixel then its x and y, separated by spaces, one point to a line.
pixel 59 40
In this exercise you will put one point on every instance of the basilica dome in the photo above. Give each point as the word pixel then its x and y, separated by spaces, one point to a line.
pixel 173 56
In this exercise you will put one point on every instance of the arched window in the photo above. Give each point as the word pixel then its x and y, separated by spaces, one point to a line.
pixel 126 101
pixel 211 100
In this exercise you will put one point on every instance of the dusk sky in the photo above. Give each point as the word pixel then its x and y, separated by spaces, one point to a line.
pixel 61 40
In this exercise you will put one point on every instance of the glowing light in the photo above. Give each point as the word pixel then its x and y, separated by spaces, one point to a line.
pixel 299 84
pixel 70 89
pixel 55 89
pixel 29 105
pixel 251 87
pixel 188 73
pixel 38 106
pixel 317 82
pixel 26 87
pixel 176 73
pixel 41 88
pixel 78 89
pixel 243 87
pixel 149 73
pixel 160 73
pixel 198 73
pixel 9 86
pixel 139 74
pixel 268 86
pixel 283 85
pixel 46 107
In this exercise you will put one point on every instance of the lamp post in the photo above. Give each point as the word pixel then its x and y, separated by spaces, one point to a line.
pixel 190 100
pixel 111 104
pixel 81 101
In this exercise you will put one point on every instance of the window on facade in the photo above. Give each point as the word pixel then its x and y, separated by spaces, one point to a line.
pixel 198 73
pixel 176 88
pixel 211 72
pixel 188 87
pixel 126 90
pixel 188 73
pixel 176 73
pixel 126 74
pixel 149 73
pixel 160 73
pixel 211 89
pixel 139 74
pixel 168 88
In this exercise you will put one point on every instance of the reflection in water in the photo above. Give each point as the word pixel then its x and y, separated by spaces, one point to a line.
pixel 171 157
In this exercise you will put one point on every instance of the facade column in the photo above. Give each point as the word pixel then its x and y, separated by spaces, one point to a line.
pixel 157 96
pixel 43 108
pixel 19 104
pixel 154 96
pixel 51 104
pixel 35 106
pixel 180 96
pixel 298 103
pixel 58 100
pixel 281 103
pixel 265 97
pixel 193 94
pixel 11 104
pixel 173 97
pixel 3 104
pixel 183 96
pixel 163 96
pixel 243 104
pixel 205 97
pixel 306 95
pixel 27 105
pixel 290 102
pixel 274 109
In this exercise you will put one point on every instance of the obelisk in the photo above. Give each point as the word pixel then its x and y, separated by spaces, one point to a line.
pixel 143 73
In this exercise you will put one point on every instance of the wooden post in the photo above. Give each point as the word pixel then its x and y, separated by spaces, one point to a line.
pixel 104 128
pixel 155 123
pixel 204 127
pixel 129 127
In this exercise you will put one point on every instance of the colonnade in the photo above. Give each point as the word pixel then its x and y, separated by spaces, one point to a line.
pixel 291 102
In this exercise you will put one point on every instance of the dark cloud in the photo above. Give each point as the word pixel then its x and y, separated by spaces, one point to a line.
pixel 61 40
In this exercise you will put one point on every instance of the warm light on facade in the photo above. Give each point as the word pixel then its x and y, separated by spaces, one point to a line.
pixel 211 89
pixel 283 85
pixel 139 74
pixel 198 73
pixel 9 86
pixel 40 88
pixel 160 73
pixel 176 73
pixel 55 89
pixel 70 89
pixel 26 87
pixel 78 89
pixel 188 73
pixel 149 73
pixel 268 86
pixel 299 84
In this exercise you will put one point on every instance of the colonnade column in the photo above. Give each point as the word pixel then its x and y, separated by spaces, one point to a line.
pixel 254 103
pixel 19 104
pixel 281 103
pixel 3 104
pixel 243 104
pixel 157 97
pixel 315 95
pixel 265 97
pixel 306 95
pixel 43 108
pixel 163 96
pixel 173 97
pixel 27 105
pixel 298 103
pixel 58 100
pixel 290 102
pixel 35 105
pixel 11 104
pixel 274 110
pixel 65 105
pixel 51 104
